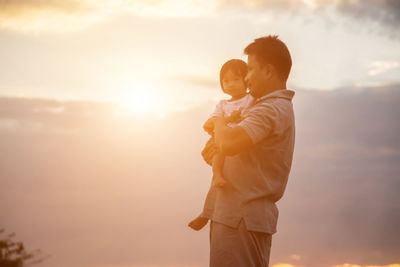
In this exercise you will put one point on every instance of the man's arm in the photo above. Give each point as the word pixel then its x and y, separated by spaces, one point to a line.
pixel 230 141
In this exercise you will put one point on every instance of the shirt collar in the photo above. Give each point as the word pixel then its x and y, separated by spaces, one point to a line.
pixel 282 93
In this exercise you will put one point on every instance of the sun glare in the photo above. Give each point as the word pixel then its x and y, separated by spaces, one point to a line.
pixel 144 97
pixel 140 102
pixel 310 3
pixel 140 99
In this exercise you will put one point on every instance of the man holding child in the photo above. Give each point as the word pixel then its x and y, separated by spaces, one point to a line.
pixel 258 153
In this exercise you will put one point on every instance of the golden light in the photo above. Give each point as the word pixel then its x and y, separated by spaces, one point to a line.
pixel 356 265
pixel 140 100
pixel 72 15
pixel 310 3
pixel 283 265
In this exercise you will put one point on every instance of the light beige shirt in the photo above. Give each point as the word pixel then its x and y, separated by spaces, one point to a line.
pixel 225 107
pixel 257 177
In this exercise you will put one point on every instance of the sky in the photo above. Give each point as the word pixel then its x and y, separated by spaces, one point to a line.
pixel 163 51
pixel 101 107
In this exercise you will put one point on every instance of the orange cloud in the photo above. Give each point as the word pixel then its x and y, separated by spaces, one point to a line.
pixel 48 15
pixel 145 265
pixel 283 265
pixel 355 265
pixel 71 15
pixel 67 15
pixel 295 257
pixel 342 265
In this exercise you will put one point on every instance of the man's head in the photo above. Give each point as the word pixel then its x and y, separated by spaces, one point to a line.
pixel 269 65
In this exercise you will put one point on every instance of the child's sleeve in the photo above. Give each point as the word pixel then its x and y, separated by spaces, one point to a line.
pixel 247 105
pixel 218 111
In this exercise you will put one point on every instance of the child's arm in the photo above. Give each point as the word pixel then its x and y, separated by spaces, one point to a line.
pixel 235 117
pixel 209 151
pixel 209 125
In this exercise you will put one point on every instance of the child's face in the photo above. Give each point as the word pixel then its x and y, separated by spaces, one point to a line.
pixel 233 84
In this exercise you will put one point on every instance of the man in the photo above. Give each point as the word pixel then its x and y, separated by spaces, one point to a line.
pixel 259 153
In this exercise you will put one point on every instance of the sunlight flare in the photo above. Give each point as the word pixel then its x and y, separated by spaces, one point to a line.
pixel 141 97
pixel 139 102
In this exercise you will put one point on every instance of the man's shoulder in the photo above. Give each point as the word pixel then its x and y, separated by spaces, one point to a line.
pixel 283 95
pixel 274 102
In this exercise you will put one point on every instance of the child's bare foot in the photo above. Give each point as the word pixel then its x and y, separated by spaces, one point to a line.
pixel 218 181
pixel 198 223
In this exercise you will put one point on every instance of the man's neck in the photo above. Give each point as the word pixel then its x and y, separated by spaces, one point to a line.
pixel 273 88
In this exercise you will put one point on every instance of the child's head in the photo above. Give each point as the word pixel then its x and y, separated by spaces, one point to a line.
pixel 232 77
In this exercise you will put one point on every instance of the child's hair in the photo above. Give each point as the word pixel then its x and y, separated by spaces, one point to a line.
pixel 237 66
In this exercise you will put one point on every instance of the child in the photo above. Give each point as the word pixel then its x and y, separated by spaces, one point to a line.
pixel 232 80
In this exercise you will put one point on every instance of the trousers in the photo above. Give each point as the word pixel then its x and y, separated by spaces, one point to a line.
pixel 237 247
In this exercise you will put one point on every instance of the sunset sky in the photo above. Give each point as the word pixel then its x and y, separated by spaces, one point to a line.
pixel 168 53
pixel 101 107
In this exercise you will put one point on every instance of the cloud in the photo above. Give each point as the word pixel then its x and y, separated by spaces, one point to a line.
pixel 69 15
pixel 201 81
pixel 379 67
pixel 49 15
pixel 355 265
pixel 386 12
pixel 143 265
pixel 342 265
pixel 295 257
pixel 106 194
pixel 8 124
pixel 283 265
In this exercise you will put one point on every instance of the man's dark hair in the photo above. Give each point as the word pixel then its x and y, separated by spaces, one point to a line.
pixel 271 50
pixel 237 66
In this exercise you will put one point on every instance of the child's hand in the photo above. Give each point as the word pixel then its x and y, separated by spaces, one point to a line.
pixel 209 126
pixel 234 117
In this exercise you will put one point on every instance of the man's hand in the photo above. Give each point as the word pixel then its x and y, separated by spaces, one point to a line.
pixel 209 151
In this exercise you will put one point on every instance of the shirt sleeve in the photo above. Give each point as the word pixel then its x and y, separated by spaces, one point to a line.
pixel 260 121
pixel 218 111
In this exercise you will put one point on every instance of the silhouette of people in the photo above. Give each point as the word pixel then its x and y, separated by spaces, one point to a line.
pixel 257 155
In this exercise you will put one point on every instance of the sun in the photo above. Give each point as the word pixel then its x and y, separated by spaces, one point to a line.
pixel 139 101
pixel 144 98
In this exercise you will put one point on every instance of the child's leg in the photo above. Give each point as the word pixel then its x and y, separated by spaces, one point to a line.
pixel 217 168
pixel 209 202
pixel 200 221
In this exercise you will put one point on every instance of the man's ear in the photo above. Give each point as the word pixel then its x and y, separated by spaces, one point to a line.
pixel 268 70
pixel 246 83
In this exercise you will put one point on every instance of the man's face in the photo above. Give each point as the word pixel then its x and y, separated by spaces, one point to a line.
pixel 256 77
